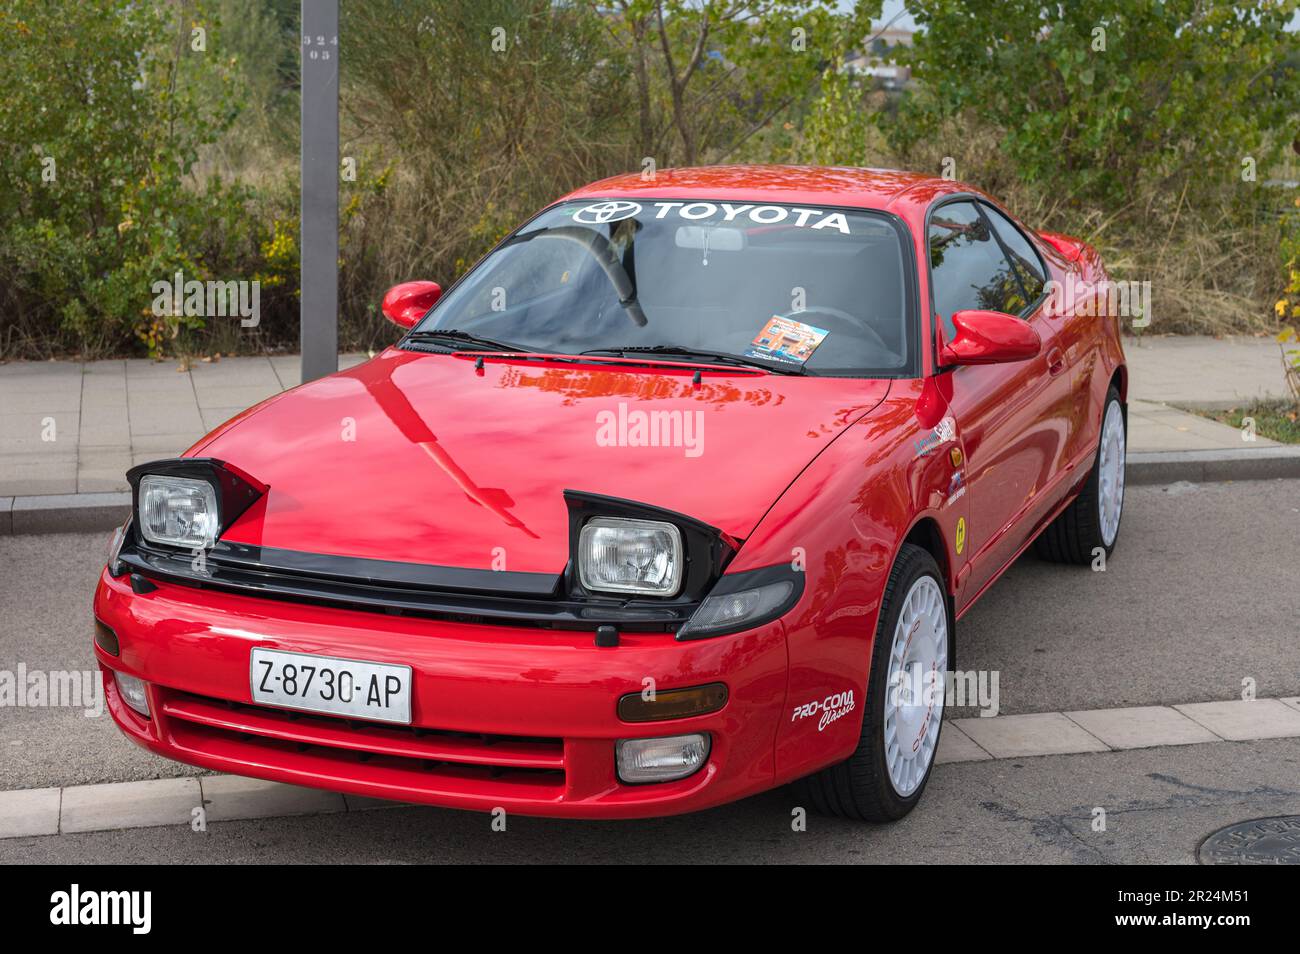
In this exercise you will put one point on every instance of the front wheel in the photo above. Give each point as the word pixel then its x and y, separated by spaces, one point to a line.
pixel 1091 522
pixel 884 777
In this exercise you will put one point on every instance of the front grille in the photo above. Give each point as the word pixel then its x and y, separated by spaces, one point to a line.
pixel 423 760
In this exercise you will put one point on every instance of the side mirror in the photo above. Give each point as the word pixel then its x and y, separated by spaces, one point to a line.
pixel 989 337
pixel 405 304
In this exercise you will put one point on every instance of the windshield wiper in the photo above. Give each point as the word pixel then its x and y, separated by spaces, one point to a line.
pixel 711 357
pixel 464 340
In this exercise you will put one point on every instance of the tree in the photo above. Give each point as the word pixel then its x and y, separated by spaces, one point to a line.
pixel 97 145
pixel 709 75
pixel 1095 97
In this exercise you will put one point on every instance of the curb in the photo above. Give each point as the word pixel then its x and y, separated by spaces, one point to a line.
pixel 63 513
pixel 82 513
pixel 1211 466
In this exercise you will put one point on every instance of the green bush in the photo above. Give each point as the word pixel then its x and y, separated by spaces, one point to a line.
pixel 98 140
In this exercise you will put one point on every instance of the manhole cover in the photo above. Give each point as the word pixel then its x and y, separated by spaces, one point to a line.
pixel 1261 841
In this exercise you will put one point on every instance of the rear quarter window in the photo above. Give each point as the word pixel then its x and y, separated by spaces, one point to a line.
pixel 1024 256
pixel 967 266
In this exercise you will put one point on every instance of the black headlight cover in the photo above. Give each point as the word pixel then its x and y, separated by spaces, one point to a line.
pixel 706 549
pixel 235 490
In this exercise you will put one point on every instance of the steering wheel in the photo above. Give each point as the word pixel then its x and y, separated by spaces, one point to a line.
pixel 857 326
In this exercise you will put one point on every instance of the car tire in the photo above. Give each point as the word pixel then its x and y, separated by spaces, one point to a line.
pixel 862 787
pixel 1093 516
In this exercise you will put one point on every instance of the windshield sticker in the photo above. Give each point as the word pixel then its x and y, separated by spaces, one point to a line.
pixel 758 214
pixel 602 213
pixel 784 339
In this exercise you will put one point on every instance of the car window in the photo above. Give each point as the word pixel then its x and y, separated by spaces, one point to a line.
pixel 823 290
pixel 525 276
pixel 1023 254
pixel 967 267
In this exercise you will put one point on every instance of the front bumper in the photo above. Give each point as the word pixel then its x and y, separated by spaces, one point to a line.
pixel 502 717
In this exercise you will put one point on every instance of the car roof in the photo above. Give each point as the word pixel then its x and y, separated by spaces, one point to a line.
pixel 812 185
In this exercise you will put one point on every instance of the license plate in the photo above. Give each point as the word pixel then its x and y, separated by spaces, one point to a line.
pixel 344 687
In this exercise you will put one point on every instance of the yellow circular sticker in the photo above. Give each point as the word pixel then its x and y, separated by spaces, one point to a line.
pixel 961 534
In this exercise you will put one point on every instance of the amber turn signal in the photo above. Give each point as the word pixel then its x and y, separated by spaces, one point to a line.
pixel 106 639
pixel 672 703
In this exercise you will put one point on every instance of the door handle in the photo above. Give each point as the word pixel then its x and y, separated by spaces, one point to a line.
pixel 1055 362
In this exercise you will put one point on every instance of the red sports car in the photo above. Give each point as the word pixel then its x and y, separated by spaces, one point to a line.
pixel 675 497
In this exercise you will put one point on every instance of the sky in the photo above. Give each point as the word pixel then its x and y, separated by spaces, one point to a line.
pixel 890 10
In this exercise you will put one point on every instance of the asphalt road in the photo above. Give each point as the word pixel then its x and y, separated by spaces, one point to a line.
pixel 1199 595
pixel 1159 804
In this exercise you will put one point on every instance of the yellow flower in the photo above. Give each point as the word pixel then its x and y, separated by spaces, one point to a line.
pixel 1280 307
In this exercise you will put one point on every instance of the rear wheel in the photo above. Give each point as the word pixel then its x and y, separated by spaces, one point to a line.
pixel 1092 519
pixel 884 778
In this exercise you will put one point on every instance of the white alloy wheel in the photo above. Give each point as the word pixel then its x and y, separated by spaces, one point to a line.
pixel 1110 484
pixel 914 692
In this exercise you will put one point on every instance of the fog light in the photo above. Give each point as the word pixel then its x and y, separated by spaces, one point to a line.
pixel 661 760
pixel 133 694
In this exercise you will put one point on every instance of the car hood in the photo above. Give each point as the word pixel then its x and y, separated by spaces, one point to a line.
pixel 424 458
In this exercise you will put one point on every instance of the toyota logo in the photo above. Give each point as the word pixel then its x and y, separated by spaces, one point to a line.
pixel 603 212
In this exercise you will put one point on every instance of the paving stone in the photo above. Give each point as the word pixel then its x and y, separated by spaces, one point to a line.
pixel 27 474
pixel 102 469
pixel 156 446
pixel 956 746
pixel 1239 721
pixel 1141 727
pixel 181 417
pixel 241 397
pixel 55 399
pixel 165 801
pixel 215 417
pixel 1042 733
pixel 29 811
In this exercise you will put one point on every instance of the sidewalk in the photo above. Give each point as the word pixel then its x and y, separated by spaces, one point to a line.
pixel 1197 372
pixel 1204 372
pixel 69 427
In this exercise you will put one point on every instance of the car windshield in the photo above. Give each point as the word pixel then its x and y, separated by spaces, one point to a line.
pixel 794 288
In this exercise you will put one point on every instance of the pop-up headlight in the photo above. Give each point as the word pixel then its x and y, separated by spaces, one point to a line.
pixel 188 502
pixel 619 555
pixel 178 511
pixel 641 553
